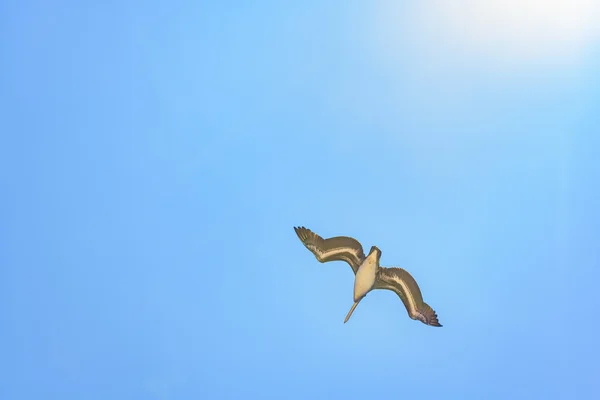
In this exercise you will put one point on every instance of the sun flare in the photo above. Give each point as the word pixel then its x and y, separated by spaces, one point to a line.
pixel 502 31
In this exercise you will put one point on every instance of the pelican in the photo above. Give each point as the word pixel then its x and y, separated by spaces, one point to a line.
pixel 369 275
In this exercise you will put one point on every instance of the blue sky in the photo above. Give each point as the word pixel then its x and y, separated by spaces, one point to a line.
pixel 155 156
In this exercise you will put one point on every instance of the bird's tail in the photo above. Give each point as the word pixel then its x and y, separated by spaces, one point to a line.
pixel 428 316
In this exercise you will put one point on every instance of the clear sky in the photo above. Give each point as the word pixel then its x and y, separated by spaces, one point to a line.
pixel 155 156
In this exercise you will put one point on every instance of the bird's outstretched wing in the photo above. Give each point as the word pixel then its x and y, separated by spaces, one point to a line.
pixel 339 248
pixel 405 286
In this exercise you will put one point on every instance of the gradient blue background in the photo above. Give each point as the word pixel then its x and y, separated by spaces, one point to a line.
pixel 154 157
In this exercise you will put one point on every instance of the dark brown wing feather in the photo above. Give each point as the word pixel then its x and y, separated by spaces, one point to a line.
pixel 339 248
pixel 404 285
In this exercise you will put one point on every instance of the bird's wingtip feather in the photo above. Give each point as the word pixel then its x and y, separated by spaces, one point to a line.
pixel 429 316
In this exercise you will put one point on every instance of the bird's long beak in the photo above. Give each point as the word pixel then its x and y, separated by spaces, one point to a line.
pixel 351 310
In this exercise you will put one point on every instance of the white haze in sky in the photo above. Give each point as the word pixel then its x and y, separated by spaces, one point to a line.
pixel 502 33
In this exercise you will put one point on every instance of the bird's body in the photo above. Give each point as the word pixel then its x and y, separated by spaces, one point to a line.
pixel 366 275
pixel 369 275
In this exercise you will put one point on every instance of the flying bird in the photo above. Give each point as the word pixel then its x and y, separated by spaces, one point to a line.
pixel 369 275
